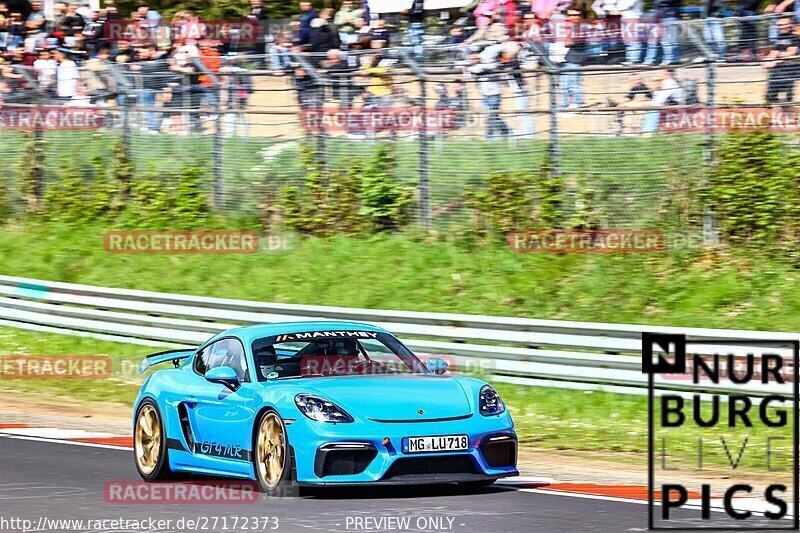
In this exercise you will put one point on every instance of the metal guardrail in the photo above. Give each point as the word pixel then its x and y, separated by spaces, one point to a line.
pixel 519 350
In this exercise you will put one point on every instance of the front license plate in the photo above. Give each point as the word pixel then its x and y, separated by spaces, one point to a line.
pixel 443 443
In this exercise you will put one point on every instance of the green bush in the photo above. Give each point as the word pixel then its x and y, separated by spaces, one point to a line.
pixel 168 201
pixel 754 189
pixel 505 202
pixel 384 202
pixel 509 201
pixel 346 201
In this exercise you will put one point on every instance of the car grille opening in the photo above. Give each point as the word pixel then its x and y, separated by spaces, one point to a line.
pixel 342 462
pixel 447 464
pixel 500 453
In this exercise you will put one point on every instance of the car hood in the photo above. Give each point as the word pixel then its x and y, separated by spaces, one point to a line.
pixel 411 398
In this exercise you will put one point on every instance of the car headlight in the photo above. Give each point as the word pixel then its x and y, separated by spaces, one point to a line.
pixel 490 402
pixel 320 409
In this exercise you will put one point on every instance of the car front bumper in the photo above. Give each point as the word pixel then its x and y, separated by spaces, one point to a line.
pixel 369 452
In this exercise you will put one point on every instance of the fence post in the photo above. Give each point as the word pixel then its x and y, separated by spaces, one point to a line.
pixel 218 159
pixel 554 150
pixel 711 80
pixel 424 174
pixel 424 178
pixel 710 225
pixel 38 164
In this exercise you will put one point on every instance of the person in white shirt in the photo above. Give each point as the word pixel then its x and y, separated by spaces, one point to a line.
pixel 66 75
pixel 45 68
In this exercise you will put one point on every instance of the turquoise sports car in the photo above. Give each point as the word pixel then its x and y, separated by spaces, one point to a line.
pixel 318 403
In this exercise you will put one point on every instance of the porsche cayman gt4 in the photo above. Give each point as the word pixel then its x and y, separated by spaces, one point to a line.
pixel 318 403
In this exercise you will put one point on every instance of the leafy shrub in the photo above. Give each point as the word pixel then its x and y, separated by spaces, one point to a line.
pixel 346 201
pixel 754 189
pixel 168 201
pixel 505 201
pixel 384 202
pixel 509 201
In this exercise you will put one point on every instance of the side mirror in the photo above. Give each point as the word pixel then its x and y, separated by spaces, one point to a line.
pixel 224 375
pixel 437 366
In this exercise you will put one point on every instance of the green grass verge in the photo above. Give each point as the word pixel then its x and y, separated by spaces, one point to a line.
pixel 733 289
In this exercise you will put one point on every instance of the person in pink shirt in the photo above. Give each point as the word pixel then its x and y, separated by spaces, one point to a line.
pixel 543 8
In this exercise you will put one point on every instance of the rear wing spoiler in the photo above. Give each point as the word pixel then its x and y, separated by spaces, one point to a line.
pixel 176 356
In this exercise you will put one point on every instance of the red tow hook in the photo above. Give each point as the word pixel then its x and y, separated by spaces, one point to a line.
pixel 387 443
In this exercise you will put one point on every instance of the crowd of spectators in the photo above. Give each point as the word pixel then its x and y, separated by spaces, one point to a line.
pixel 75 56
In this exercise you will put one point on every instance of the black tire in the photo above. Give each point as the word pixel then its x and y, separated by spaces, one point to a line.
pixel 285 484
pixel 161 471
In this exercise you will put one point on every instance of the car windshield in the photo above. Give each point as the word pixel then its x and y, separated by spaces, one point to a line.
pixel 332 353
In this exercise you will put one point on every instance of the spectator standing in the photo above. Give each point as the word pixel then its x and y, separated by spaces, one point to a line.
pixel 714 29
pixel 484 70
pixel 517 84
pixel 211 60
pixel 66 75
pixel 73 21
pixel 610 13
pixel 15 31
pixel 308 14
pixel 259 14
pixel 748 34
pixel 575 57
pixel 45 68
pixel 630 17
pixel 667 12
pixel 36 23
pixel 240 87
pixel 363 35
pixel 416 27
pixel 150 71
pixel 380 33
pixel 345 21
pixel 324 36
pixel 96 76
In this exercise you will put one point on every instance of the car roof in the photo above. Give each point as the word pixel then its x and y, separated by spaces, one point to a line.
pixel 256 331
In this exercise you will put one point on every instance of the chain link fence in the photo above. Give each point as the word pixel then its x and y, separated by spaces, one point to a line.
pixel 604 129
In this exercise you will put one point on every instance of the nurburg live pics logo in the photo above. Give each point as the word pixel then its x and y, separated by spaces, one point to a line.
pixel 744 404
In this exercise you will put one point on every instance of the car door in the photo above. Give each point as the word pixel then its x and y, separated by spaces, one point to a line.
pixel 220 418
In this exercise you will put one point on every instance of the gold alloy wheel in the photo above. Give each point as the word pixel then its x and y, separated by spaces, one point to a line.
pixel 271 446
pixel 147 440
